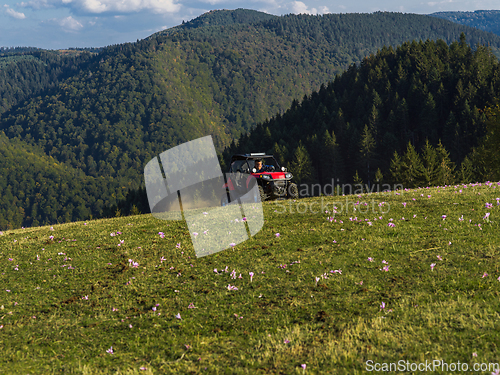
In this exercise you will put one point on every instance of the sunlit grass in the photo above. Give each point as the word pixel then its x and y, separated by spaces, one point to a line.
pixel 320 294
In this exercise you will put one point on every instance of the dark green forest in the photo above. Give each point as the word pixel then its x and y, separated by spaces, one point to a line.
pixel 359 126
pixel 36 187
pixel 230 74
pixel 25 72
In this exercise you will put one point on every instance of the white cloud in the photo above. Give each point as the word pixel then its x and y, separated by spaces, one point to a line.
pixel 298 7
pixel 36 4
pixel 122 6
pixel 324 10
pixel 11 12
pixel 107 6
pixel 70 24
pixel 214 2
pixel 434 3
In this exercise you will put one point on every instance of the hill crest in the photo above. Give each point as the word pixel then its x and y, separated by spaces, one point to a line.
pixel 221 17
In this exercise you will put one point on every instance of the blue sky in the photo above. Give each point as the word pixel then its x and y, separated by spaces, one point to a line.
pixel 59 24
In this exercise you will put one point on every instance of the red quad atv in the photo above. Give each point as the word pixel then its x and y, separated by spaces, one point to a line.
pixel 274 181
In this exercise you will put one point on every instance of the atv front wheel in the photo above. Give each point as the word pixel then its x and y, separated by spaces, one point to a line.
pixel 224 201
pixel 263 195
pixel 293 191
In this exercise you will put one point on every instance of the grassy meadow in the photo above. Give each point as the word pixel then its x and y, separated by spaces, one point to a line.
pixel 409 277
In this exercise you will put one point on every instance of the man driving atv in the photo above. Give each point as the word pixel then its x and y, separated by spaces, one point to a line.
pixel 260 167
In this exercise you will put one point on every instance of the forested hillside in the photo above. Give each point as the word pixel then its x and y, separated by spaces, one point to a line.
pixel 359 126
pixel 36 187
pixel 487 20
pixel 25 72
pixel 111 112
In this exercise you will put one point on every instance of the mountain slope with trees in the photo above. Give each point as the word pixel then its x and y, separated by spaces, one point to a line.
pixel 221 75
pixel 378 120
pixel 37 189
pixel 25 72
pixel 487 20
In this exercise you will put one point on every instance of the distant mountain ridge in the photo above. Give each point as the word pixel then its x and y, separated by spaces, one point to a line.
pixel 220 74
pixel 487 20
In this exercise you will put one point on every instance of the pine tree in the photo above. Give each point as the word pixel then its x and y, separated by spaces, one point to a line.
pixel 396 168
pixel 279 153
pixel 339 123
pixel 373 119
pixel 428 117
pixel 378 180
pixel 487 157
pixel 430 164
pixel 451 136
pixel 315 153
pixel 358 183
pixel 402 119
pixel 446 169
pixel 301 165
pixel 466 173
pixel 134 210
pixel 412 167
pixel 330 164
pixel 367 148
pixel 266 139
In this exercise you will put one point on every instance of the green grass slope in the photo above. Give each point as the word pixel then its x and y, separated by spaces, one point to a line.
pixel 411 275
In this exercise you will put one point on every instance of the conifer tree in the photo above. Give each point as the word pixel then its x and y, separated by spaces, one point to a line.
pixel 487 156
pixel 339 123
pixel 315 150
pixel 451 136
pixel 428 117
pixel 331 162
pixel 412 167
pixel 358 183
pixel 367 150
pixel 430 164
pixel 301 165
pixel 466 172
pixel 279 153
pixel 373 120
pixel 446 169
pixel 402 118
pixel 266 139
pixel 396 168
pixel 378 180
pixel 379 177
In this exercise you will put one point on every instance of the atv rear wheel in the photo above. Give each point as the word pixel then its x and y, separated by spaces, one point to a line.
pixel 293 191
